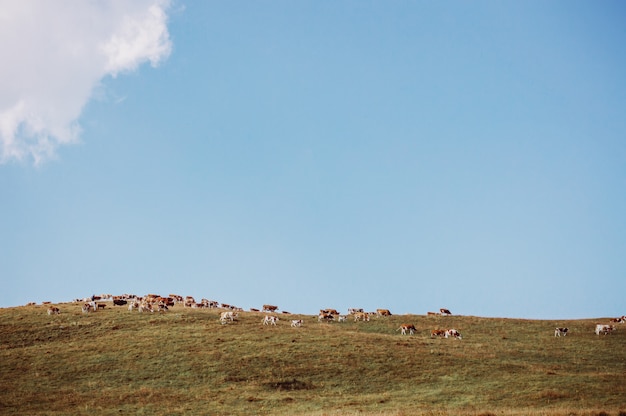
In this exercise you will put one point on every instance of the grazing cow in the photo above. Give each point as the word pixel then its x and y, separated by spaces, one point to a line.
pixel 445 312
pixel 352 311
pixel 229 316
pixel 270 320
pixel 342 318
pixel 383 312
pixel 438 333
pixel 296 323
pixel 133 305
pixel 361 316
pixel 269 308
pixel 119 302
pixel 86 307
pixel 101 305
pixel 407 327
pixel 145 307
pixel 604 329
pixel 433 313
pixel 619 320
pixel 453 333
pixel 53 310
pixel 560 331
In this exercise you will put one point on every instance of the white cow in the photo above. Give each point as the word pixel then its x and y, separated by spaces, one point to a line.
pixel 296 323
pixel 229 316
pixel 270 320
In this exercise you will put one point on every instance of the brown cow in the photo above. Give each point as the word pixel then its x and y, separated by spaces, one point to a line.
pixel 383 312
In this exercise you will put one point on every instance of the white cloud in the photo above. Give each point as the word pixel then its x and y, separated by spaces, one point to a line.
pixel 56 52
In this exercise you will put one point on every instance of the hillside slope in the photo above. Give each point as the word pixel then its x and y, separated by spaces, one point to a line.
pixel 185 362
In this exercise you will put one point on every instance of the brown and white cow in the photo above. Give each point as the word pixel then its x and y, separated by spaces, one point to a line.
pixel 445 312
pixel 269 308
pixel 560 331
pixel 365 317
pixel 352 311
pixel 270 320
pixel 296 323
pixel 53 310
pixel 453 333
pixel 383 312
pixel 604 329
pixel 326 317
pixel 407 327
pixel 329 311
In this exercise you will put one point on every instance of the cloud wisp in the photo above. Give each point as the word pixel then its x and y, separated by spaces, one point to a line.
pixel 56 53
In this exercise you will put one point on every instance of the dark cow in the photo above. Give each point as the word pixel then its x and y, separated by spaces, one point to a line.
pixel 560 331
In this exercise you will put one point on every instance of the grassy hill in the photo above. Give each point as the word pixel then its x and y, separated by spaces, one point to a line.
pixel 185 362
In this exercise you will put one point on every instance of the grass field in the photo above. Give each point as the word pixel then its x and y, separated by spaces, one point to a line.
pixel 185 362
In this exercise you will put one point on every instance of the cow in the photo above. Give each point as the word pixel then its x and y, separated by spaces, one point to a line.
pixel 604 329
pixel 325 317
pixel 618 320
pixel 269 308
pixel 383 312
pixel 453 333
pixel 254 310
pixel 407 327
pixel 361 316
pixel 296 323
pixel 342 318
pixel 352 311
pixel 270 320
pixel 133 305
pixel 329 311
pixel 86 307
pixel 433 313
pixel 53 310
pixel 119 302
pixel 560 331
pixel 144 306
pixel 101 305
pixel 445 312
pixel 229 316
pixel 438 333
pixel 189 301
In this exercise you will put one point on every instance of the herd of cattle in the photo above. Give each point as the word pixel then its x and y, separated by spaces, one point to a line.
pixel 156 303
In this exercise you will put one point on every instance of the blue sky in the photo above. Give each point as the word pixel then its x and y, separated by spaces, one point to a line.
pixel 406 155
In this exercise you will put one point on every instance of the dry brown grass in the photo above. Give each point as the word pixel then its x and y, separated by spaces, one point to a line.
pixel 186 362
